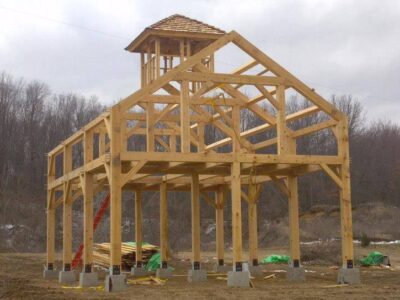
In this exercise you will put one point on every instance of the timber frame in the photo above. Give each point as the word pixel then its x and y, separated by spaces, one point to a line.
pixel 155 140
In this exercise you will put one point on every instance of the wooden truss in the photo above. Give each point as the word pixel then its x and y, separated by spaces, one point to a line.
pixel 155 140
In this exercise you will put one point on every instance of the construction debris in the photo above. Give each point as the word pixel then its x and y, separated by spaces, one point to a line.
pixel 150 280
pixel 101 254
pixel 270 276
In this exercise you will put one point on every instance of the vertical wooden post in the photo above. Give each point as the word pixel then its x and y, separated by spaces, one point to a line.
pixel 157 57
pixel 345 195
pixel 253 230
pixel 236 128
pixel 115 191
pixel 67 213
pixel 236 215
pixel 219 223
pixel 282 130
pixel 138 227
pixel 182 51
pixel 102 143
pixel 142 70
pixel 200 133
pixel 51 215
pixel 185 117
pixel 294 221
pixel 150 126
pixel 148 64
pixel 195 194
pixel 88 205
pixel 163 225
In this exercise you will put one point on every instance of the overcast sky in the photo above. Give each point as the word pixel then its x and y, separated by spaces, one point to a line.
pixel 341 47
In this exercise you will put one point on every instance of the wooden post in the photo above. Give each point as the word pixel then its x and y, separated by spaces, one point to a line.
pixel 88 205
pixel 219 223
pixel 236 128
pixel 67 212
pixel 157 57
pixel 51 216
pixel 236 216
pixel 164 225
pixel 150 127
pixel 185 117
pixel 195 194
pixel 200 133
pixel 345 196
pixel 294 221
pixel 115 191
pixel 142 70
pixel 253 230
pixel 88 222
pixel 138 227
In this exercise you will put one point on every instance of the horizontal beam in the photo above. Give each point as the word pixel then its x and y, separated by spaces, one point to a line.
pixel 230 78
pixel 230 157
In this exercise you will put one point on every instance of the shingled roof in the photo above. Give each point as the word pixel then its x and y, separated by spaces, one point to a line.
pixel 181 23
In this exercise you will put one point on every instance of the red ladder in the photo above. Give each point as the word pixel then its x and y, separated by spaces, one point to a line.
pixel 99 215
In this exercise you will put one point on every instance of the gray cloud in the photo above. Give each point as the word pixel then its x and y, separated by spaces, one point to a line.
pixel 337 47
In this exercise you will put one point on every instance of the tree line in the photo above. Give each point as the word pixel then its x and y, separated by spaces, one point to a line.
pixel 33 120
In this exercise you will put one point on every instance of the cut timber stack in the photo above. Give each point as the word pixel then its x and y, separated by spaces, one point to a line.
pixel 101 254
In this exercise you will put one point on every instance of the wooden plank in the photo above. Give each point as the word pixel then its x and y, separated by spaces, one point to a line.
pixel 346 222
pixel 150 127
pixel 294 225
pixel 219 223
pixel 134 170
pixel 236 215
pixel 67 231
pixel 163 222
pixel 115 191
pixel 195 195
pixel 185 117
pixel 229 78
pixel 252 225
pixel 88 222
pixel 50 238
pixel 138 227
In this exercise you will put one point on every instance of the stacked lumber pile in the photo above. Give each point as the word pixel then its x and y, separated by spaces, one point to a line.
pixel 101 254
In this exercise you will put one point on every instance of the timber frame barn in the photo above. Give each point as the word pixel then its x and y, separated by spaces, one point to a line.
pixel 155 140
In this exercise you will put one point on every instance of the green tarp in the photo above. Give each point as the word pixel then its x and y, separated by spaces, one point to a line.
pixel 154 263
pixel 276 259
pixel 372 259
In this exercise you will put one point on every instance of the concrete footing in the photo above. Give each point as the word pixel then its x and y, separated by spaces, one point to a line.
pixel 295 274
pixel 115 283
pixel 349 276
pixel 238 279
pixel 197 275
pixel 222 268
pixel 66 276
pixel 139 272
pixel 164 273
pixel 255 270
pixel 50 274
pixel 88 279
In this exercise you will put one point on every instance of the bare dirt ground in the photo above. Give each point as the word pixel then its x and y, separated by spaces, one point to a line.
pixel 21 278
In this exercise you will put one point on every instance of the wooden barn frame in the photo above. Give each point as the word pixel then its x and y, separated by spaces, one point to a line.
pixel 176 104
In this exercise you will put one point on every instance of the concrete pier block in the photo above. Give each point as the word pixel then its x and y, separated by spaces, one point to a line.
pixel 164 273
pixel 349 276
pixel 238 279
pixel 255 270
pixel 295 274
pixel 197 275
pixel 139 272
pixel 88 279
pixel 115 283
pixel 67 276
pixel 222 268
pixel 50 274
